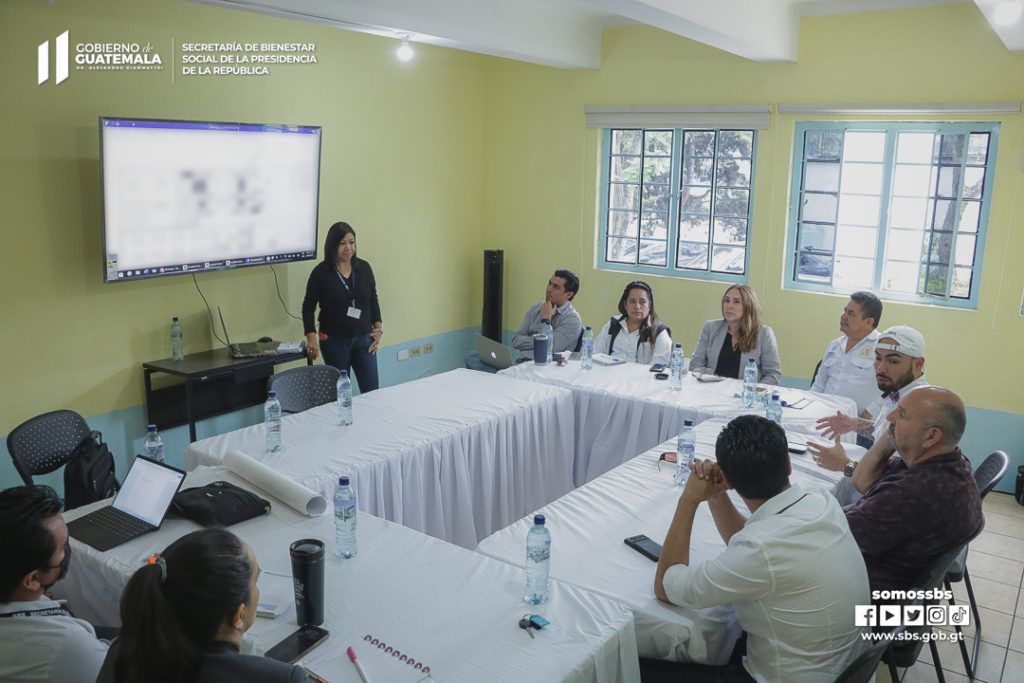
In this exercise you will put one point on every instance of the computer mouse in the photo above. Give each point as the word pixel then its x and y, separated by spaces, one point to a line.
pixel 264 340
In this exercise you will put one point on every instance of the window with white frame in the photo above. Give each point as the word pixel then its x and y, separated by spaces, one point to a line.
pixel 895 207
pixel 677 201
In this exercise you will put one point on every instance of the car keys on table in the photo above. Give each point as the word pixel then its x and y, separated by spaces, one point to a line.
pixel 526 625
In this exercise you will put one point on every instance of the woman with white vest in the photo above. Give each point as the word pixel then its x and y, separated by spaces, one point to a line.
pixel 636 334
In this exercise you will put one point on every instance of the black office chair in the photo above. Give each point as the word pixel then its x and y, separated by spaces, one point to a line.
pixel 862 669
pixel 45 442
pixel 988 474
pixel 305 387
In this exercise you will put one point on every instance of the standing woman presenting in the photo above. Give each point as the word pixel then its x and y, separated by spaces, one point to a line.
pixel 350 322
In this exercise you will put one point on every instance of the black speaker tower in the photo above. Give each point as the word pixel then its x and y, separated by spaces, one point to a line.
pixel 494 272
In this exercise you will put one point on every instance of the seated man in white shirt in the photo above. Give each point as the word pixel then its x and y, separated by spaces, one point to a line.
pixel 847 368
pixel 899 367
pixel 792 569
pixel 39 638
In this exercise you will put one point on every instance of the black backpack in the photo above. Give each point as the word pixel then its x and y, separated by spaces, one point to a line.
pixel 89 473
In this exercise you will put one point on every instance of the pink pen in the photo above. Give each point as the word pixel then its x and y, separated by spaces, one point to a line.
pixel 355 661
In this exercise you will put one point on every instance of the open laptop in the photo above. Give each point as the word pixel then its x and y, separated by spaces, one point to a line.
pixel 247 349
pixel 138 508
pixel 494 354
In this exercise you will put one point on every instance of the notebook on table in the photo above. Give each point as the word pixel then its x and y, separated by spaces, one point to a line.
pixel 493 353
pixel 138 508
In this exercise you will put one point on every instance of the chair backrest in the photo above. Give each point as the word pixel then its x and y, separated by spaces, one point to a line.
pixel 45 442
pixel 862 669
pixel 305 387
pixel 991 471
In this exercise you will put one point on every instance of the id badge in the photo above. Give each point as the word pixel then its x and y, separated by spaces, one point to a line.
pixel 354 312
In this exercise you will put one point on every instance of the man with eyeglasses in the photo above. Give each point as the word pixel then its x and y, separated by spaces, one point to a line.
pixel 40 640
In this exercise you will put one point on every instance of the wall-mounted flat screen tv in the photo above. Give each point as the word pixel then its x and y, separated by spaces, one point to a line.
pixel 193 196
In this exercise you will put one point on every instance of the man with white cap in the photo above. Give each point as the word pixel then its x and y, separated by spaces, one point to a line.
pixel 846 368
pixel 899 367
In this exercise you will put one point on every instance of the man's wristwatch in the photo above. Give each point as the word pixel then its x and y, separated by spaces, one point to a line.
pixel 849 467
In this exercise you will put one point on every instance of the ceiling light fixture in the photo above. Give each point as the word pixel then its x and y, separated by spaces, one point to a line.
pixel 404 52
pixel 1007 13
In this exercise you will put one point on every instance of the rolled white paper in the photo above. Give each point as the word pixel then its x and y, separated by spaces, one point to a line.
pixel 294 494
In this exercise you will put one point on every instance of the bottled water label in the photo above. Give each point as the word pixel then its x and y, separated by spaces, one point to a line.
pixel 541 554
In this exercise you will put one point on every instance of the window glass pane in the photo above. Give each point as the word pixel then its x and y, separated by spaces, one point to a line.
pixel 622 196
pixel 965 250
pixel 970 212
pixel 731 203
pixel 736 143
pixel 961 287
pixel 820 237
pixel 693 228
pixel 864 146
pixel 626 169
pixel 974 182
pixel 858 210
pixel 977 149
pixel 657 169
pixel 658 142
pixel 941 244
pixel 727 259
pixel 949 181
pixel 730 231
pixel 945 215
pixel 655 198
pixel 905 244
pixel 820 208
pixel 814 265
pixel 862 178
pixel 695 200
pixel 733 173
pixel 626 142
pixel 697 171
pixel 699 143
pixel 951 150
pixel 622 223
pixel 915 148
pixel 621 250
pixel 654 225
pixel 826 145
pixel 692 256
pixel 911 181
pixel 906 212
pixel 856 241
pixel 935 280
pixel 652 252
pixel 821 177
pixel 901 277
pixel 853 272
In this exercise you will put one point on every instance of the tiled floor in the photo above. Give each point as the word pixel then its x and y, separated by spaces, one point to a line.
pixel 996 566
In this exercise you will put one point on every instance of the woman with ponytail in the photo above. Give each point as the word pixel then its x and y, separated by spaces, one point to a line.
pixel 636 333
pixel 183 615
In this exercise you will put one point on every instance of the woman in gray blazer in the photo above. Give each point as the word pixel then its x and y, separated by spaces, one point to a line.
pixel 726 343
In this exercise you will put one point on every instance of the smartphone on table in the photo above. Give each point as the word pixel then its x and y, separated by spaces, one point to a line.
pixel 645 546
pixel 298 644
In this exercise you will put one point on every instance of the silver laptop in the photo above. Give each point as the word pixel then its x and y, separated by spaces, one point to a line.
pixel 247 349
pixel 138 508
pixel 494 354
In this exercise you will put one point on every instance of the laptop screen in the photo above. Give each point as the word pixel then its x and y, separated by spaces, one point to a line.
pixel 147 490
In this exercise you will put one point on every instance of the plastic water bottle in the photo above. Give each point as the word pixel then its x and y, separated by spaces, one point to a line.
pixel 676 365
pixel 344 399
pixel 154 444
pixel 177 348
pixel 272 421
pixel 550 331
pixel 587 349
pixel 685 446
pixel 538 562
pixel 774 410
pixel 344 519
pixel 750 384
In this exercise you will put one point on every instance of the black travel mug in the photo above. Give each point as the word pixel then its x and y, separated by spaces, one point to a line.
pixel 308 577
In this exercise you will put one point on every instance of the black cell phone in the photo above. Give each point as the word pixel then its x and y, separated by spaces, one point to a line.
pixel 658 367
pixel 299 644
pixel 661 375
pixel 798 448
pixel 645 546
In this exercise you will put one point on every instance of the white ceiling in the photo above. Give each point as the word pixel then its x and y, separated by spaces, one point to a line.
pixel 567 33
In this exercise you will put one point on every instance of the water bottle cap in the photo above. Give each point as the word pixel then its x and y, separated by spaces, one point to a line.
pixel 750 361
pixel 679 346
pixel 588 327
pixel 687 423
pixel 271 394
pixel 775 394
pixel 175 318
pixel 344 373
pixel 151 428
pixel 342 481
pixel 538 519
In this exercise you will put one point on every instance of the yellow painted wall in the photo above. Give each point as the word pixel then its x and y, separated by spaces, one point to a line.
pixel 542 177
pixel 401 160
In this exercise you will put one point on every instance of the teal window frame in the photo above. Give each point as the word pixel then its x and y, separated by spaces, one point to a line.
pixel 670 269
pixel 882 257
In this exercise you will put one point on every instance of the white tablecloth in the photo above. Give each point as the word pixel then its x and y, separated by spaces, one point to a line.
pixel 587 531
pixel 454 610
pixel 622 410
pixel 457 455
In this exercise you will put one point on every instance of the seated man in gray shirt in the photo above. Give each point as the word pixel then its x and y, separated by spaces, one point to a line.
pixel 556 307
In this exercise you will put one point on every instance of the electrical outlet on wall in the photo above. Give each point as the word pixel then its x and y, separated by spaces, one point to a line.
pixel 428 348
pixel 414 352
